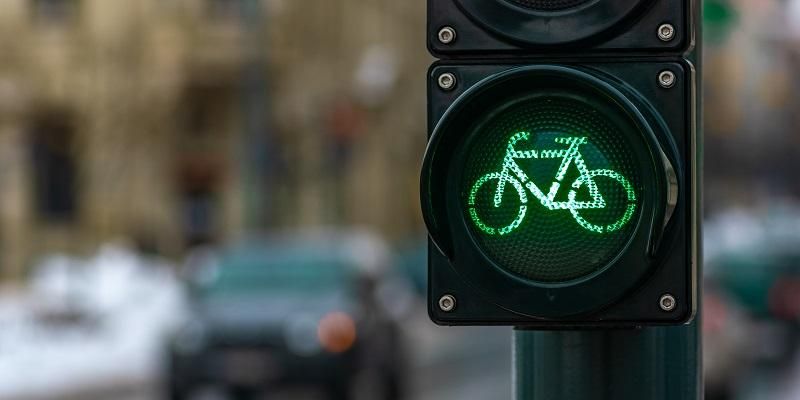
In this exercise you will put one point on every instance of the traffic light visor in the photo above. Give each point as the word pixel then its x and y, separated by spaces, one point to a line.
pixel 552 22
pixel 550 5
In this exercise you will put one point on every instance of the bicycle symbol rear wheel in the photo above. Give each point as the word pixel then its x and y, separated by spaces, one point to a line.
pixel 630 207
pixel 473 207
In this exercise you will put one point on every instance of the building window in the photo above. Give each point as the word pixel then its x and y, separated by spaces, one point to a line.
pixel 225 9
pixel 201 156
pixel 54 12
pixel 53 165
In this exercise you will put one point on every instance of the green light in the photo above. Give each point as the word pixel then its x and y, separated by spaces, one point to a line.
pixel 569 156
pixel 501 183
pixel 552 185
pixel 588 178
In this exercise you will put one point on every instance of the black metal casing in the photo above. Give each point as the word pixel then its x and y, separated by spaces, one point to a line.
pixel 628 55
pixel 499 28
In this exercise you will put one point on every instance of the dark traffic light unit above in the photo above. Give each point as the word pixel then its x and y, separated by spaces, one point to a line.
pixel 559 185
pixel 565 26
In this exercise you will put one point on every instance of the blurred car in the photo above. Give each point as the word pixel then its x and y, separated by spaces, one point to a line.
pixel 754 257
pixel 752 299
pixel 725 333
pixel 308 309
pixel 412 260
pixel 766 285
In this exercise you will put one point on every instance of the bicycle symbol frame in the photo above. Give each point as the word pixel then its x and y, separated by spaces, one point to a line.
pixel 512 174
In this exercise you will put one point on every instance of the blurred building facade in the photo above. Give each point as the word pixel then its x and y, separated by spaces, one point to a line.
pixel 750 99
pixel 179 122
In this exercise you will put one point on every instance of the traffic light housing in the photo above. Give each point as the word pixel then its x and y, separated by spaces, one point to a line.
pixel 503 28
pixel 560 181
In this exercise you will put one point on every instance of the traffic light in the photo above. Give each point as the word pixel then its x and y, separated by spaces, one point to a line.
pixel 560 182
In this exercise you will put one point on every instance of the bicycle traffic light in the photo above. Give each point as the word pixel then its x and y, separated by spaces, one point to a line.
pixel 560 181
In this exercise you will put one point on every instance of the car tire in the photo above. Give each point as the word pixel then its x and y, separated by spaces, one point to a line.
pixel 339 390
pixel 177 387
pixel 177 393
pixel 392 387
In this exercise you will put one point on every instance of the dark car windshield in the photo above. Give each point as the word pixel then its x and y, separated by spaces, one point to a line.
pixel 245 275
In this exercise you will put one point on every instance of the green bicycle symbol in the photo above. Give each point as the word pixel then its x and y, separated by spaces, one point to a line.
pixel 512 174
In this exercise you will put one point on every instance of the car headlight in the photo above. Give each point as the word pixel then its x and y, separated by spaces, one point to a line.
pixel 301 335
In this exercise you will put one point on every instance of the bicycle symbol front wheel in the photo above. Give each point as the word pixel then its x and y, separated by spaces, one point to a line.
pixel 630 207
pixel 473 206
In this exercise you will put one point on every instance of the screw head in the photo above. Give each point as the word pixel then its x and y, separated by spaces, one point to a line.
pixel 666 79
pixel 447 81
pixel 667 302
pixel 447 35
pixel 666 32
pixel 447 303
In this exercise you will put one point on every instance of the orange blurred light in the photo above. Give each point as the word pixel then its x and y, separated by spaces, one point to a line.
pixel 336 332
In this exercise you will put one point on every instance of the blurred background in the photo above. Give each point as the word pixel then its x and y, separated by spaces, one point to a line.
pixel 219 199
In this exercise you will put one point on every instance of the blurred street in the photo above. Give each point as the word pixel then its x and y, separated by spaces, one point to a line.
pixel 118 305
pixel 475 362
pixel 484 375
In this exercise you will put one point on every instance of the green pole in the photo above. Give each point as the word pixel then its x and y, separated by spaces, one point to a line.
pixel 655 363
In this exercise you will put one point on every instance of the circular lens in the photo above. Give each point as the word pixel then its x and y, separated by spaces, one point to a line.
pixel 549 5
pixel 551 186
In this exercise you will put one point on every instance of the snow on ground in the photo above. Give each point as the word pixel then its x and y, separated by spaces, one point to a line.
pixel 86 325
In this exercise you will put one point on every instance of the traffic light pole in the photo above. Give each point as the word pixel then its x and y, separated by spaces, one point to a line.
pixel 654 363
